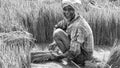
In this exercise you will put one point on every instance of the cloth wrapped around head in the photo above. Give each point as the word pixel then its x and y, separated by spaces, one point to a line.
pixel 73 4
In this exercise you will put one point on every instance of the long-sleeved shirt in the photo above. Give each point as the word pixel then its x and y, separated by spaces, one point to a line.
pixel 81 36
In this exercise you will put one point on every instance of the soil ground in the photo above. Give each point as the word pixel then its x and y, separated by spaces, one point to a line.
pixel 102 53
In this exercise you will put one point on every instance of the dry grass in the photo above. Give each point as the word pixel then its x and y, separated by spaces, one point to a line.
pixel 105 24
pixel 35 16
pixel 114 58
pixel 15 49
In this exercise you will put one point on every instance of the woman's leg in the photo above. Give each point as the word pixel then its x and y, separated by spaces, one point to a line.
pixel 62 40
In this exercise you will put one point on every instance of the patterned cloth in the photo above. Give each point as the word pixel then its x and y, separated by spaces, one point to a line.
pixel 81 36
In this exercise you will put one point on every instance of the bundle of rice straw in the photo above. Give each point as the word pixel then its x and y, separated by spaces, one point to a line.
pixel 114 59
pixel 15 49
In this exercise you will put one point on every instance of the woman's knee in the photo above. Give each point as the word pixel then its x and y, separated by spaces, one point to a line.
pixel 58 32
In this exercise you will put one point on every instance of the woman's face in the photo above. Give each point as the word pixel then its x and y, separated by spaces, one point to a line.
pixel 69 12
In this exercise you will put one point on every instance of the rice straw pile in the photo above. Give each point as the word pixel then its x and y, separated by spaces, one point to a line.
pixel 15 49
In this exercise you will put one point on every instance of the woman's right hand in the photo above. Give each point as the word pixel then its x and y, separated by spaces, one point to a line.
pixel 52 46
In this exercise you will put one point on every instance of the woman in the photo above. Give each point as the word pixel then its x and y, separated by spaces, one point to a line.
pixel 76 41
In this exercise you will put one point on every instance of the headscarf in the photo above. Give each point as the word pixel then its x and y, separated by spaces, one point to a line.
pixel 72 3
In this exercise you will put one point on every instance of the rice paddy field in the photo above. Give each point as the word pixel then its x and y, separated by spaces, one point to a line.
pixel 27 25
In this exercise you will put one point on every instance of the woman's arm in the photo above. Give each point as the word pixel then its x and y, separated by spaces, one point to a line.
pixel 62 24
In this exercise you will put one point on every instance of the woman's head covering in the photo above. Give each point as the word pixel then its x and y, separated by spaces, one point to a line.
pixel 73 4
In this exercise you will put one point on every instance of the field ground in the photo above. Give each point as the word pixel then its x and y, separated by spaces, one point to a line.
pixel 38 17
pixel 102 53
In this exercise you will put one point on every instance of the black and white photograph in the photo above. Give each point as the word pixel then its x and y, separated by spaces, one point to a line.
pixel 59 33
